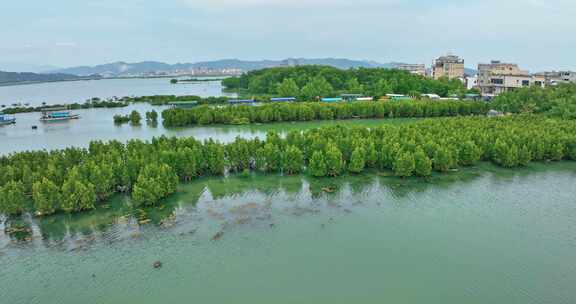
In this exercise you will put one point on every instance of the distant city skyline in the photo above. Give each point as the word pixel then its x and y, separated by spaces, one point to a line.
pixel 536 34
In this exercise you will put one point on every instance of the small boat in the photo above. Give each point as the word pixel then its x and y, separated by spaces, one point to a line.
pixel 57 114
pixel 6 120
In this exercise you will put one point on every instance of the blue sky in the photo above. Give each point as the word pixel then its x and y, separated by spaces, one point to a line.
pixel 537 34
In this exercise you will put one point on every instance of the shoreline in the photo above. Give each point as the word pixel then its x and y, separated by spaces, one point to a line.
pixel 119 205
pixel 11 84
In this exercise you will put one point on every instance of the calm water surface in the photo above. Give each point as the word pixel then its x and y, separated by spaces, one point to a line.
pixel 98 124
pixel 482 235
pixel 79 91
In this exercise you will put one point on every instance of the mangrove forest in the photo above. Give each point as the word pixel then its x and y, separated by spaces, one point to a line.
pixel 307 111
pixel 78 179
pixel 557 101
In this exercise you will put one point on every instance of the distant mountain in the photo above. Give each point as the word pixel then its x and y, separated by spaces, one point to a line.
pixel 225 66
pixel 124 69
pixel 8 78
pixel 390 65
pixel 25 67
pixel 470 72
pixel 117 68
pixel 335 62
pixel 244 65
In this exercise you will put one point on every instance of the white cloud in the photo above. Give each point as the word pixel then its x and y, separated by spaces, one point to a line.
pixel 555 5
pixel 240 3
pixel 66 44
pixel 236 4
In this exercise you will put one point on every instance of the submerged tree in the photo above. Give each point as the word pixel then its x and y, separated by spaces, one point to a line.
pixel 272 157
pixel 357 161
pixel 12 198
pixel 154 183
pixel 334 161
pixel 504 154
pixel 135 118
pixel 422 164
pixel 152 117
pixel 470 153
pixel 404 165
pixel 317 165
pixel 77 194
pixel 46 196
pixel 294 160
pixel 524 156
pixel 443 160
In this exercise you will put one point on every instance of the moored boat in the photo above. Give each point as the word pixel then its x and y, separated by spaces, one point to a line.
pixel 6 120
pixel 57 114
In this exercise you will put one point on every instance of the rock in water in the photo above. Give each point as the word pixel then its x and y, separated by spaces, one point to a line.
pixel 218 235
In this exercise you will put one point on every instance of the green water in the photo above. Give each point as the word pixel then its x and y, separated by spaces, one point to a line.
pixel 98 124
pixel 482 235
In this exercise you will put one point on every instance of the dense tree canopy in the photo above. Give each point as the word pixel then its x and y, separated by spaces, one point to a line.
pixel 152 117
pixel 559 101
pixel 74 179
pixel 306 111
pixel 155 182
pixel 158 100
pixel 324 81
pixel 288 87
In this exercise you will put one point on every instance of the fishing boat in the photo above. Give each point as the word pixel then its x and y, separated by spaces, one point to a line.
pixel 6 120
pixel 57 114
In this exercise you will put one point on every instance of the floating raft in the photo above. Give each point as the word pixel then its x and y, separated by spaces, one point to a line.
pixel 57 114
pixel 5 120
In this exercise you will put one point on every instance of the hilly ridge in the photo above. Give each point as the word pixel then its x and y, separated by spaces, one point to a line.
pixel 123 68
pixel 7 78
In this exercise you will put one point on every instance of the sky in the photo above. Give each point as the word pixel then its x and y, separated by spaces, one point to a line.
pixel 537 34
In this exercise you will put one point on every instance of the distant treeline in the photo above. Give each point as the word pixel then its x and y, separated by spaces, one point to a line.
pixel 159 100
pixel 93 103
pixel 558 101
pixel 309 82
pixel 155 100
pixel 134 118
pixel 76 179
pixel 306 111
pixel 175 80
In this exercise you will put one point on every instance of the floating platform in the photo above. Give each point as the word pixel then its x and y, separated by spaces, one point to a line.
pixel 57 114
pixel 5 120
pixel 59 118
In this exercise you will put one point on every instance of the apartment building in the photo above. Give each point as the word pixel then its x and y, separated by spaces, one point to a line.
pixel 471 81
pixel 449 66
pixel 558 77
pixel 417 69
pixel 497 77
